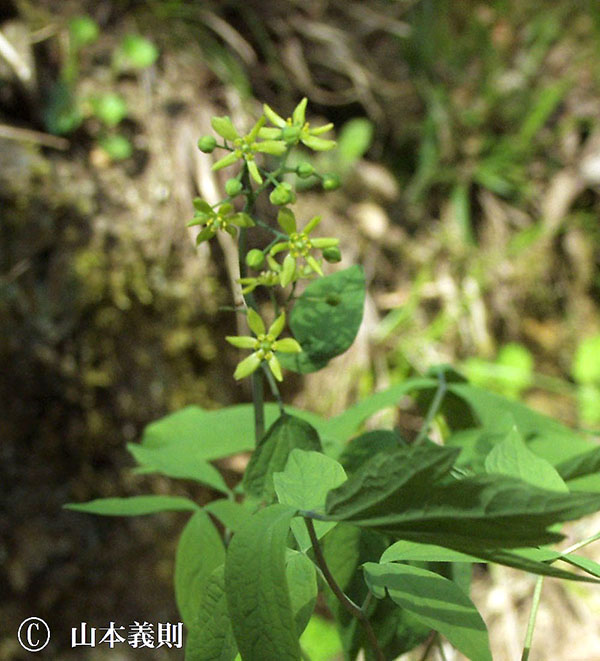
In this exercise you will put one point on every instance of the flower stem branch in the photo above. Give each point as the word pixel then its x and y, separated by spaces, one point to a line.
pixel 354 610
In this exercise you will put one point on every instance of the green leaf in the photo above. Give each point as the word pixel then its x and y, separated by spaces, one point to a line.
pixel 213 434
pixel 325 319
pixel 257 592
pixel 199 552
pixel 489 510
pixel 301 578
pixel 231 514
pixel 534 561
pixel 210 636
pixel 360 449
pixel 385 483
pixel 354 139
pixel 184 465
pixel 546 437
pixel 271 455
pixel 512 457
pixel 134 506
pixel 342 426
pixel 136 52
pixel 110 108
pixel 304 484
pixel 435 601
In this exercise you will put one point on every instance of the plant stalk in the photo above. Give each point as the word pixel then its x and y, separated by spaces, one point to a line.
pixel 537 593
pixel 440 393
pixel 343 598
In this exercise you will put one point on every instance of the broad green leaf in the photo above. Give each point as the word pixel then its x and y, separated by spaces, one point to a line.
pixel 134 506
pixel 512 457
pixel 304 484
pixel 404 551
pixel 301 578
pixel 386 481
pixel 199 551
pixel 489 510
pixel 229 513
pixel 342 426
pixel 186 465
pixel 436 601
pixel 320 640
pixel 325 319
pixel 582 465
pixel 210 636
pixel 214 434
pixel 360 449
pixel 271 454
pixel 546 437
pixel 257 592
pixel 535 561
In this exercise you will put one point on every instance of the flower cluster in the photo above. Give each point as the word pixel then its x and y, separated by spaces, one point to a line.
pixel 300 251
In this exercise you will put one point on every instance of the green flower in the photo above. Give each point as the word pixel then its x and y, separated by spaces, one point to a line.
pixel 299 245
pixel 225 218
pixel 263 345
pixel 245 147
pixel 296 129
pixel 271 277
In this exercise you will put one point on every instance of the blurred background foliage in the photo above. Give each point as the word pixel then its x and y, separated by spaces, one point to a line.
pixel 469 150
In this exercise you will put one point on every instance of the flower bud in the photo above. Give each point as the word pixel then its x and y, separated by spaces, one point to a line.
pixel 330 181
pixel 282 194
pixel 332 255
pixel 207 143
pixel 255 259
pixel 233 187
pixel 304 170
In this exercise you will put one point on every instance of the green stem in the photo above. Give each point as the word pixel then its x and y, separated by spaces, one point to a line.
pixel 343 598
pixel 537 593
pixel 274 387
pixel 440 393
pixel 580 545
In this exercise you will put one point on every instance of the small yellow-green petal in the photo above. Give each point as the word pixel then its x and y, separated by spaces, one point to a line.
pixel 314 264
pixel 273 117
pixel 206 234
pixel 254 171
pixel 310 226
pixel 241 219
pixel 275 368
pixel 224 127
pixel 202 205
pixel 255 322
pixel 288 270
pixel 278 247
pixel 319 130
pixel 325 243
pixel 231 231
pixel 287 220
pixel 269 133
pixel 273 147
pixel 318 144
pixel 273 264
pixel 247 366
pixel 242 341
pixel 278 325
pixel 256 128
pixel 299 115
pixel 287 345
pixel 224 162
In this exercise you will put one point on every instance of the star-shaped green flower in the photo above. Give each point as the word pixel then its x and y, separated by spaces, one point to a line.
pixel 299 245
pixel 225 218
pixel 296 129
pixel 263 345
pixel 245 147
